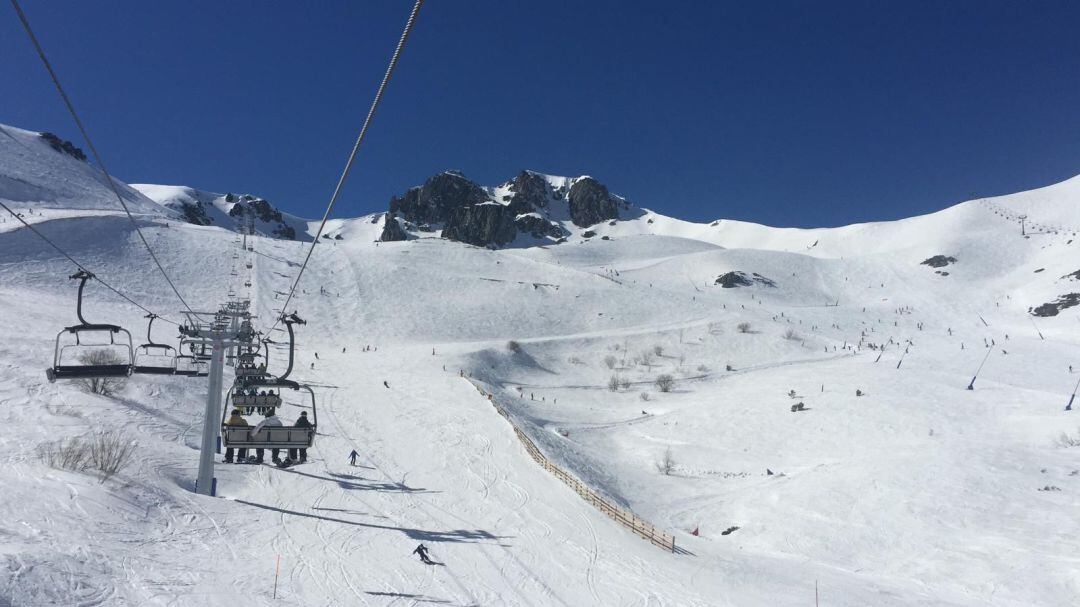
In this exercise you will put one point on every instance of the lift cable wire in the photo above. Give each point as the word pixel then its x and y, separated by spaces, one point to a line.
pixel 352 156
pixel 93 150
pixel 81 266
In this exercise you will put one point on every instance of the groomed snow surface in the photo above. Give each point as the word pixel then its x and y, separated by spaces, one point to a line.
pixel 919 492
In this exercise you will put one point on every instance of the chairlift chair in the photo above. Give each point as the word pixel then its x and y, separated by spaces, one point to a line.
pixel 152 358
pixel 188 365
pixel 269 437
pixel 63 368
pixel 200 350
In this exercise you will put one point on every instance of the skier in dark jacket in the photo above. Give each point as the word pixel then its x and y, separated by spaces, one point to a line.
pixel 352 457
pixel 301 422
pixel 422 551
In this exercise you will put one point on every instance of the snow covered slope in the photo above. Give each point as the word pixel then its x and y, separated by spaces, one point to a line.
pixel 918 492
pixel 35 175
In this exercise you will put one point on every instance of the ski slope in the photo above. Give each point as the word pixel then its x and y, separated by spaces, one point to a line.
pixel 918 492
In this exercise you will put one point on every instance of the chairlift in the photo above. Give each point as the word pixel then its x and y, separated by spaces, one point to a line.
pixel 249 399
pixel 65 368
pixel 152 358
pixel 188 365
pixel 200 350
pixel 273 437
pixel 268 437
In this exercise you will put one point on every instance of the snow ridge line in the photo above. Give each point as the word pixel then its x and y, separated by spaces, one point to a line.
pixel 620 515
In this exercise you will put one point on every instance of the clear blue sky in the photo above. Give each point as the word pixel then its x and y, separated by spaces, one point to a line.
pixel 783 112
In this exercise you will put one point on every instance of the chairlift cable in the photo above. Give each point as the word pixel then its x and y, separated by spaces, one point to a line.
pixel 81 266
pixel 93 149
pixel 352 155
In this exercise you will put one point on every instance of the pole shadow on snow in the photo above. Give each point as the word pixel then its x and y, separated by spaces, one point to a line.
pixel 370 486
pixel 422 535
pixel 347 511
pixel 134 405
pixel 350 477
pixel 419 598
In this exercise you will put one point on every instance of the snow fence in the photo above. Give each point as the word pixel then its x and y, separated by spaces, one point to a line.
pixel 621 515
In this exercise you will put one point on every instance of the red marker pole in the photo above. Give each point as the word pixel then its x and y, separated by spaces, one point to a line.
pixel 277 569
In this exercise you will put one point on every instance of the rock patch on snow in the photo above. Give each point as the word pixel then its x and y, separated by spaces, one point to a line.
pixel 737 278
pixel 1053 308
pixel 938 261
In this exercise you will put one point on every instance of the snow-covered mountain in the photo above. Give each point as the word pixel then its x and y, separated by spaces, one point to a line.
pixel 230 211
pixel 892 485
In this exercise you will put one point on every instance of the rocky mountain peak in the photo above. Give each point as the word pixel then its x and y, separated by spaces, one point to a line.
pixel 531 204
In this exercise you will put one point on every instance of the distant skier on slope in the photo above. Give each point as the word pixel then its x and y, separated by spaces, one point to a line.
pixel 352 457
pixel 385 384
pixel 422 551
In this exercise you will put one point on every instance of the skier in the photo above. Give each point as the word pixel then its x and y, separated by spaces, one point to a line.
pixel 316 356
pixel 385 384
pixel 235 419
pixel 352 457
pixel 343 350
pixel 271 420
pixel 422 551
pixel 301 422
pixel 312 366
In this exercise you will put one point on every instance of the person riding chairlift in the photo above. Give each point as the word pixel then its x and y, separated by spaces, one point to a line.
pixel 235 419
pixel 301 422
pixel 271 420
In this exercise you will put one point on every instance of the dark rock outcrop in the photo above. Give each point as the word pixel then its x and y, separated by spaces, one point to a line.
pixel 481 225
pixel 392 230
pixel 591 203
pixel 1073 275
pixel 528 204
pixel 261 209
pixel 438 198
pixel 539 227
pixel 195 213
pixel 248 206
pixel 736 278
pixel 530 193
pixel 63 146
pixel 285 231
pixel 938 261
pixel 1051 309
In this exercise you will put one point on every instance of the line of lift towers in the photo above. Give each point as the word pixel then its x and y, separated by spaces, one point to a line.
pixel 206 347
